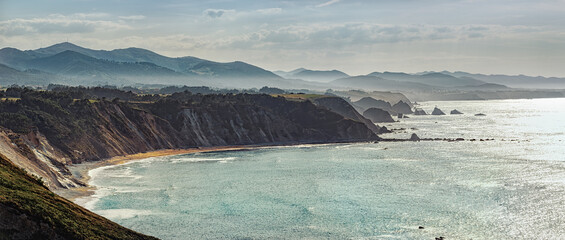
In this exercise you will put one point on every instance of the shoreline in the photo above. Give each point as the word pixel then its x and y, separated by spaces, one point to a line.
pixel 81 170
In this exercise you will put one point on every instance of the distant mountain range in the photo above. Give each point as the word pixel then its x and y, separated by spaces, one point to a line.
pixel 66 63
pixel 72 64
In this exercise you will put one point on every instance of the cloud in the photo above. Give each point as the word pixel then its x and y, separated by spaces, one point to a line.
pixel 270 11
pixel 132 17
pixel 217 13
pixel 325 4
pixel 57 23
pixel 90 15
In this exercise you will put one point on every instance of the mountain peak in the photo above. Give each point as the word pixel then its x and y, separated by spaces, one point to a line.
pixel 60 47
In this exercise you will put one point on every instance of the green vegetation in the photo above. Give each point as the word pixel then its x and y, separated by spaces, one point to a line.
pixel 31 211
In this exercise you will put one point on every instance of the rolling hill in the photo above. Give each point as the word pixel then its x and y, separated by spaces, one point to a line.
pixel 313 75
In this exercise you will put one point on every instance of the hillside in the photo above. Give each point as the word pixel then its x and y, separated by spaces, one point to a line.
pixel 28 210
pixel 10 75
pixel 74 63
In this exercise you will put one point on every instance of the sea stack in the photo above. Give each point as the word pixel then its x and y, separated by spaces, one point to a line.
pixel 437 111
pixel 454 111
pixel 414 137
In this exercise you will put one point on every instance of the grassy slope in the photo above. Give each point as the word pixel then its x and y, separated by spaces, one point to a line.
pixel 26 196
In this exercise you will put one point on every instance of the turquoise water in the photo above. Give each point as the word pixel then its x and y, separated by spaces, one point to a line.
pixel 512 187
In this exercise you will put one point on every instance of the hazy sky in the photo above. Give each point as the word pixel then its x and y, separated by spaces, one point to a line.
pixel 355 36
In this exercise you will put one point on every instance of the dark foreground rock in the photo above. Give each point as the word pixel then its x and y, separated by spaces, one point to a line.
pixel 377 115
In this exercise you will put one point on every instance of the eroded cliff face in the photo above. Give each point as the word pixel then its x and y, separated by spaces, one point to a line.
pixel 85 131
pixel 34 153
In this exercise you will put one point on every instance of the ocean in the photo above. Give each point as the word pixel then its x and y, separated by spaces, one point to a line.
pixel 507 184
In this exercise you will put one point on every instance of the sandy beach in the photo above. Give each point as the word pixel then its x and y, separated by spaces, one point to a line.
pixel 80 171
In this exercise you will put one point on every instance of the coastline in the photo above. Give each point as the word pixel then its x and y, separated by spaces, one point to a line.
pixel 80 171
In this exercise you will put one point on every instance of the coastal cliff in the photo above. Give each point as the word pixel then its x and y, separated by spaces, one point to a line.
pixel 44 132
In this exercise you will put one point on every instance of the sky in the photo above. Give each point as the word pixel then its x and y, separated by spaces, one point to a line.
pixel 354 36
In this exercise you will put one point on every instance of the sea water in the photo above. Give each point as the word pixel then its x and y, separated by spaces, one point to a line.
pixel 512 187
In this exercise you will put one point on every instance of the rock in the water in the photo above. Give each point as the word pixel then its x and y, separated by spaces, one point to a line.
pixel 454 111
pixel 414 137
pixel 437 111
pixel 480 114
pixel 377 115
pixel 419 111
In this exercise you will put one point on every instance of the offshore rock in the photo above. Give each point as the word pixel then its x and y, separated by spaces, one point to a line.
pixel 437 111
pixel 455 111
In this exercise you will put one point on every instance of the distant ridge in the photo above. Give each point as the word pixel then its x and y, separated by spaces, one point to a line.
pixel 313 75
pixel 432 79
pixel 378 83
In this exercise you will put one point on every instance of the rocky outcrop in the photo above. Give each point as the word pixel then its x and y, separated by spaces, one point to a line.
pixel 342 107
pixel 378 115
pixel 455 111
pixel 402 107
pixel 437 111
pixel 369 102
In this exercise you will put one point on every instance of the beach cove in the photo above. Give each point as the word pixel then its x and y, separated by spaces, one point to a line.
pixel 386 190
